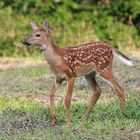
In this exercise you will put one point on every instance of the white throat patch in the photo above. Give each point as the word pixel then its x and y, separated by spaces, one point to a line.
pixel 44 46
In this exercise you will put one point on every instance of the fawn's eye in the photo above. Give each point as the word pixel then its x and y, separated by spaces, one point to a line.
pixel 37 35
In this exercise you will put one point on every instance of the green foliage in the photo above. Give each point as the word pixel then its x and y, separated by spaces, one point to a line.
pixel 125 8
pixel 73 22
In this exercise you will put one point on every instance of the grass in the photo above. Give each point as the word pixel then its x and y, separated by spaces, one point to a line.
pixel 31 120
pixel 24 110
pixel 26 72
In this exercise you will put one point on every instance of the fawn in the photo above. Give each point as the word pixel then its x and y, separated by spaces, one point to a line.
pixel 84 60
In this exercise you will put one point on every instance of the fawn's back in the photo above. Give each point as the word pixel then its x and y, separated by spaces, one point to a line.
pixel 89 57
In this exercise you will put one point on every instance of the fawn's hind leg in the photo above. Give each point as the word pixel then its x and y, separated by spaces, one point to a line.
pixel 108 75
pixel 96 91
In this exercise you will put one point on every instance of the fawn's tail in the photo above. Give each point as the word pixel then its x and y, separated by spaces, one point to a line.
pixel 123 58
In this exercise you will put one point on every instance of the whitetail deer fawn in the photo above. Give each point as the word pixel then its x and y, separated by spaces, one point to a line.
pixel 84 60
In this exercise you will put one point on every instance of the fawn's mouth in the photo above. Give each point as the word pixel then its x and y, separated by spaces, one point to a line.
pixel 26 43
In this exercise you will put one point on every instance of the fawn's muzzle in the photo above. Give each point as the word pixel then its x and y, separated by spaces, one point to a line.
pixel 26 43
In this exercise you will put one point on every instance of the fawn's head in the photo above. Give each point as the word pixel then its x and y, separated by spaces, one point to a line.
pixel 39 36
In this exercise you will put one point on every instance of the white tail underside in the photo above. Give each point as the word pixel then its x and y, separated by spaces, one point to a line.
pixel 123 59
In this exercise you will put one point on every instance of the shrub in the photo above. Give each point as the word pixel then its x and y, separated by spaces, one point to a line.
pixel 73 22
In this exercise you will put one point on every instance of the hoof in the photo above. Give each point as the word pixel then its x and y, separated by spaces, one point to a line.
pixel 87 113
pixel 53 117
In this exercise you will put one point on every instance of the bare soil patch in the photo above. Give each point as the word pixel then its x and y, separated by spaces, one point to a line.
pixel 7 63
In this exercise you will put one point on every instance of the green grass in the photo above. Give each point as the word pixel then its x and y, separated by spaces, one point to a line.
pixel 26 72
pixel 106 119
pixel 24 80
pixel 24 110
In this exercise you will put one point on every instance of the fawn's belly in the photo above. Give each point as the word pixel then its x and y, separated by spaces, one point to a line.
pixel 84 70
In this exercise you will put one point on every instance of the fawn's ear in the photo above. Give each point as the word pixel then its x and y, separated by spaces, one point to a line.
pixel 33 25
pixel 46 26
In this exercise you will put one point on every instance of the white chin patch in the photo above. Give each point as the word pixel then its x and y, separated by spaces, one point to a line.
pixel 43 46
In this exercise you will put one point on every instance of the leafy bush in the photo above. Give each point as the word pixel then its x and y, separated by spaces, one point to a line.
pixel 73 22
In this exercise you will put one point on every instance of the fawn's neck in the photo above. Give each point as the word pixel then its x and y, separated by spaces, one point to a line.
pixel 50 51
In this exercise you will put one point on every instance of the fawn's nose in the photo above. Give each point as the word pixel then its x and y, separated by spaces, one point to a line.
pixel 26 43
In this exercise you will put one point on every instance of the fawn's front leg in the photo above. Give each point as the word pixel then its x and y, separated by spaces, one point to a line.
pixel 70 84
pixel 55 86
